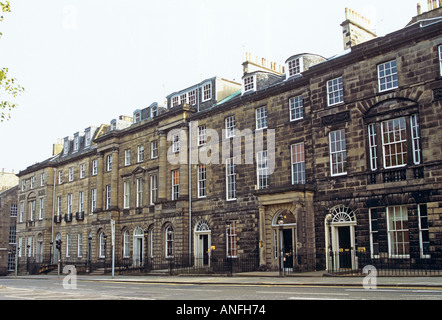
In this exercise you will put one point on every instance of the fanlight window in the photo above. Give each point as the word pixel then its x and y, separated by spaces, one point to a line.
pixel 203 225
pixel 342 214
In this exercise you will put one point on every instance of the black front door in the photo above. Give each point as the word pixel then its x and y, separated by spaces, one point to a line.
pixel 287 235
pixel 205 242
pixel 344 247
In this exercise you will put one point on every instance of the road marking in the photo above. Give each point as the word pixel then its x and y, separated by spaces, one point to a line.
pixel 190 289
pixel 315 298
pixel 305 293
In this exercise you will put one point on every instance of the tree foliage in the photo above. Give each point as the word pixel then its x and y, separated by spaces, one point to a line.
pixel 8 86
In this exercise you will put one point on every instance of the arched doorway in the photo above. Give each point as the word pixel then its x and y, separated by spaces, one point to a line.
pixel 202 240
pixel 284 239
pixel 57 255
pixel 340 231
pixel 138 247
pixel 39 257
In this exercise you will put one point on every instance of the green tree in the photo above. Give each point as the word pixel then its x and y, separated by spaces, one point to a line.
pixel 8 86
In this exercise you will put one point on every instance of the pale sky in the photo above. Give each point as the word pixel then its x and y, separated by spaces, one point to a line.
pixel 85 62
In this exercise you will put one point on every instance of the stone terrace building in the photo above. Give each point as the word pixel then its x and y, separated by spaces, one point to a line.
pixel 8 217
pixel 320 163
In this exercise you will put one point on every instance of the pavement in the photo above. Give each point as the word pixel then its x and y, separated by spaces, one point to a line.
pixel 263 278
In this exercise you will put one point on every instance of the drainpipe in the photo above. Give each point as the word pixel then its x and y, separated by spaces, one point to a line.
pixel 189 180
pixel 327 239
pixel 53 216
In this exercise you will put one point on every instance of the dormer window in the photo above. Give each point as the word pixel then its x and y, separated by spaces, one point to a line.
pixel 192 100
pixel 175 101
pixel 207 92
pixel 87 137
pixel 113 125
pixel 137 116
pixel 183 98
pixel 249 84
pixel 294 67
pixel 76 142
pixel 66 146
pixel 154 111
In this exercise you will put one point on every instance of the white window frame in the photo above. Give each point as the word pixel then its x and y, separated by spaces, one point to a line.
pixel 176 143
pixel 262 170
pixel 66 147
pixel 397 233
pixel 415 139
pixel 58 205
pixel 76 143
pixel 108 197
pixel 126 244
pixel 80 201
pixel 94 167
pixel 139 195
pixel 183 98
pixel 154 149
pixel 22 211
pixel 202 137
pixel 32 210
pixel 294 67
pixel 69 207
pixel 230 123
pixel 175 101
pixel 175 184
pixel 93 200
pixel 261 118
pixel 87 138
pixel 127 157
pixel 109 159
pixel 192 97
pixel 140 153
pixel 387 76
pixel 202 178
pixel 68 245
pixel 296 107
pixel 372 145
pixel 126 194
pixel 153 189
pixel 79 245
pixel 42 179
pixel 440 58
pixel 153 111
pixel 393 145
pixel 297 156
pixel 71 174
pixel 32 182
pixel 13 210
pixel 101 246
pixel 207 92
pixel 338 153
pixel 41 210
pixel 60 177
pixel 137 116
pixel 82 170
pixel 249 84
pixel 335 91
pixel 230 179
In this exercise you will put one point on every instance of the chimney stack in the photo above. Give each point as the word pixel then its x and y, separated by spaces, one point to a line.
pixel 356 29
